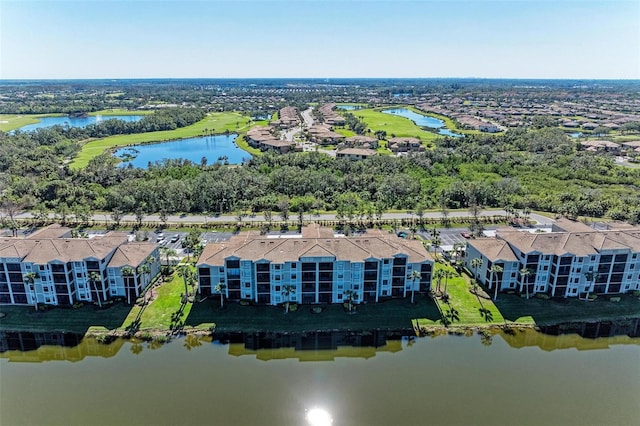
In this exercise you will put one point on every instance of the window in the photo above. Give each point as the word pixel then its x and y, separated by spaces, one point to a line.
pixel 247 285
pixel 277 288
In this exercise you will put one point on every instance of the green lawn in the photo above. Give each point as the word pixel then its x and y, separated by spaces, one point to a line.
pixel 160 313
pixel 117 111
pixel 214 123
pixel 23 318
pixel 392 124
pixel 390 315
pixel 10 122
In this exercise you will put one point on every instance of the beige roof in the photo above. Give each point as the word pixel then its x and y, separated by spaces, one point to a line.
pixel 280 250
pixel 72 249
pixel 494 249
pixel 15 248
pixel 568 225
pixel 51 231
pixel 576 243
pixel 632 144
pixel 356 151
pixel 361 139
pixel 131 254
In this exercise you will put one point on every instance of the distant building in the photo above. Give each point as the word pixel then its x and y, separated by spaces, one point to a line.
pixel 50 268
pixel 405 144
pixel 572 261
pixel 317 266
pixel 355 153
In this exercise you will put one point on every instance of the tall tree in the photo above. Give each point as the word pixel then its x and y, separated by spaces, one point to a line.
pixel 220 288
pixel 475 264
pixel 287 291
pixel 524 276
pixel 94 279
pixel 185 272
pixel 128 274
pixel 495 271
pixel 29 279
pixel 592 277
pixel 414 276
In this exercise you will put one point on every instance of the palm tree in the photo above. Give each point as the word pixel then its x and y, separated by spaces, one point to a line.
pixel 94 278
pixel 591 277
pixel 524 274
pixel 168 252
pixel 127 271
pixel 475 264
pixel 414 276
pixel 148 262
pixel 145 269
pixel 184 271
pixel 495 270
pixel 220 289
pixel 351 297
pixel 438 276
pixel 287 291
pixel 29 279
pixel 447 274
pixel 457 249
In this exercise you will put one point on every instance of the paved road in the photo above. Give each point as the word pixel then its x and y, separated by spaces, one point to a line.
pixel 306 116
pixel 202 219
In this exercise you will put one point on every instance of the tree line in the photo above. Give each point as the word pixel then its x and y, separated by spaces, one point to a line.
pixel 536 169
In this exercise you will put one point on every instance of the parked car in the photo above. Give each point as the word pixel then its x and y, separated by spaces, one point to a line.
pixel 175 238
pixel 466 235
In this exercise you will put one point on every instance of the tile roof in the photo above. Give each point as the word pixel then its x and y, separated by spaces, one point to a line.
pixel 131 254
pixel 279 250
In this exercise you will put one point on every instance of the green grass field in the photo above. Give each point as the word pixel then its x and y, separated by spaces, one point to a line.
pixel 215 123
pixel 393 125
pixel 10 122
pixel 116 111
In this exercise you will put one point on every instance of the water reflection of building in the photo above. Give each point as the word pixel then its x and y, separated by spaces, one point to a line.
pixel 580 336
pixel 316 346
pixel 40 347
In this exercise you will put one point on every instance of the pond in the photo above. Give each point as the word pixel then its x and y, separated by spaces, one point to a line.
pixel 213 148
pixel 372 378
pixel 349 107
pixel 423 121
pixel 77 121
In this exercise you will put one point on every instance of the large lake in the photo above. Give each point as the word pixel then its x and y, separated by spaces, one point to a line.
pixel 423 120
pixel 77 121
pixel 212 148
pixel 526 378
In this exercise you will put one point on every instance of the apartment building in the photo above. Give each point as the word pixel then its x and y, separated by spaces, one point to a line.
pixel 574 260
pixel 48 267
pixel 315 266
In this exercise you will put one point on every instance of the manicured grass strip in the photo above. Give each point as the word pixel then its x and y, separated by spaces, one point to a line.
pixel 157 315
pixel 214 123
pixel 23 318
pixel 390 315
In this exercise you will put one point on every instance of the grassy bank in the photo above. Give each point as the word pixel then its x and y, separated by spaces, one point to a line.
pixel 10 122
pixel 464 309
pixel 214 123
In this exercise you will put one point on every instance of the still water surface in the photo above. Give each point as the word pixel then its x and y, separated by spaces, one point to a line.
pixel 422 120
pixel 213 148
pixel 527 379
pixel 77 121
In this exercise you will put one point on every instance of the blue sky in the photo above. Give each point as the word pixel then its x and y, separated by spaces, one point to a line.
pixel 319 38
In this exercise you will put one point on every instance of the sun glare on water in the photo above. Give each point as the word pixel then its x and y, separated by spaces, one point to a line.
pixel 319 417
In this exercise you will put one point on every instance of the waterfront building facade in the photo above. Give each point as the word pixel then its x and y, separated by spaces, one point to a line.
pixel 315 267
pixel 50 268
pixel 574 260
